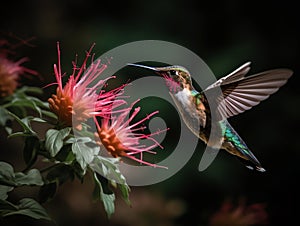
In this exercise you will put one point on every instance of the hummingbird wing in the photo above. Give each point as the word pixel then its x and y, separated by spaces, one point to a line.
pixel 241 93
pixel 234 76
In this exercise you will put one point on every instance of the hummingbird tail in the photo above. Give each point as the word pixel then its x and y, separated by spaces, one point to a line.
pixel 250 165
pixel 234 144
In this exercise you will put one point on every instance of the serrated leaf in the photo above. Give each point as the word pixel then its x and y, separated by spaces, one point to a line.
pixel 55 140
pixel 107 199
pixel 83 152
pixel 28 207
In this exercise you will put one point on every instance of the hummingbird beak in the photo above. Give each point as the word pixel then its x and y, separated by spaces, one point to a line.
pixel 143 66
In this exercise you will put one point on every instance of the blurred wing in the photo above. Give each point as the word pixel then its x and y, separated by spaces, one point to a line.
pixel 242 93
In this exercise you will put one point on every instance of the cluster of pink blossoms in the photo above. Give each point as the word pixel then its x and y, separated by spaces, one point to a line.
pixel 10 70
pixel 80 99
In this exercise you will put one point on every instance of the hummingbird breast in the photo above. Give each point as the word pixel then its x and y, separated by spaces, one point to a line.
pixel 192 113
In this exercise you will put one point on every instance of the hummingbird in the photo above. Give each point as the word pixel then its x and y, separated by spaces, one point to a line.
pixel 232 95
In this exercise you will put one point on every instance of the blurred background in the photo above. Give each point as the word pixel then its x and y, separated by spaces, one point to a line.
pixel 224 35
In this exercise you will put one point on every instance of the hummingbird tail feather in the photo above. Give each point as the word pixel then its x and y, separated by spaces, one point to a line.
pixel 250 165
pixel 234 144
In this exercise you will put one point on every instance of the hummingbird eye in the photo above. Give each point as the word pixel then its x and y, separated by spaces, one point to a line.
pixel 173 72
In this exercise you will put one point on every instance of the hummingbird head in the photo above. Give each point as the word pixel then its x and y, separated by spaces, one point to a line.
pixel 177 77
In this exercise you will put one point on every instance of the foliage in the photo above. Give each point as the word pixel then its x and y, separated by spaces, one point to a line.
pixel 67 156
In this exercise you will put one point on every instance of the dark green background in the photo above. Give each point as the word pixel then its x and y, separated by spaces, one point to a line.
pixel 225 35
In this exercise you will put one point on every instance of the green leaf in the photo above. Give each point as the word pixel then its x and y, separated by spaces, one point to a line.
pixel 8 130
pixel 6 171
pixel 32 177
pixel 18 110
pixel 107 199
pixel 108 168
pixel 106 185
pixel 79 172
pixel 65 155
pixel 55 139
pixel 25 123
pixel 35 119
pixel 49 114
pixel 6 174
pixel 6 206
pixel 30 89
pixel 9 178
pixel 4 116
pixel 28 207
pixel 26 103
pixel 31 147
pixel 125 189
pixel 19 134
pixel 4 190
pixel 21 99
pixel 38 104
pixel 60 173
pixel 85 151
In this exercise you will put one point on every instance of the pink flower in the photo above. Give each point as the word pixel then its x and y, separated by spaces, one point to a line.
pixel 10 71
pixel 9 75
pixel 241 215
pixel 77 100
pixel 122 139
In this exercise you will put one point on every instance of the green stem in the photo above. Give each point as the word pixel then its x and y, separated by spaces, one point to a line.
pixel 6 105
